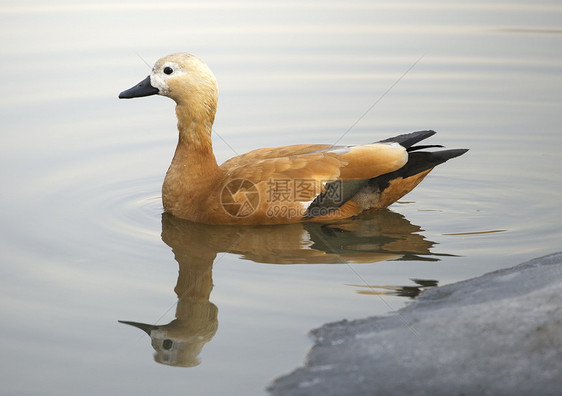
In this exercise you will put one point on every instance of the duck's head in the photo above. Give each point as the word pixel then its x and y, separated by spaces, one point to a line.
pixel 182 77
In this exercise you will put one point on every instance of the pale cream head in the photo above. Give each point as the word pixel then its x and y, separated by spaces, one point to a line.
pixel 188 81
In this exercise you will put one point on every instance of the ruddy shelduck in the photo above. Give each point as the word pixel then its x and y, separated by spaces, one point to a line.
pixel 303 182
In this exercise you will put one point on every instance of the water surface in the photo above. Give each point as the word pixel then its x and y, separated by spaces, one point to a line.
pixel 84 241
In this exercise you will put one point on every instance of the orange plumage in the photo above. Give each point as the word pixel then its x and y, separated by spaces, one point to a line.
pixel 274 185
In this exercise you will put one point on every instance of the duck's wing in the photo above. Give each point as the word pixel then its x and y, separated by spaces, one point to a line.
pixel 293 181
pixel 319 162
pixel 272 152
pixel 345 180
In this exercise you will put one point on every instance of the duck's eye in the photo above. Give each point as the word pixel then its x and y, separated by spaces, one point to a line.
pixel 168 70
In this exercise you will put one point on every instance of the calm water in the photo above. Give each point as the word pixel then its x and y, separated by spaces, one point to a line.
pixel 83 239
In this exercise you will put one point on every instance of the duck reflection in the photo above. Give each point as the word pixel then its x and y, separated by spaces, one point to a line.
pixel 384 235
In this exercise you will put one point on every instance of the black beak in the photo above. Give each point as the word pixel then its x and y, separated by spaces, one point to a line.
pixel 143 326
pixel 141 89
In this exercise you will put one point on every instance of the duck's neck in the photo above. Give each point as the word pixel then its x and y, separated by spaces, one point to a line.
pixel 194 165
pixel 195 147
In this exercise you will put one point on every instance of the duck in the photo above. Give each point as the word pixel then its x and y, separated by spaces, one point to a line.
pixel 276 185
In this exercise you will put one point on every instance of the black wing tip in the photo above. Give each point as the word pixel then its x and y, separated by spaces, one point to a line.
pixel 409 139
pixel 453 153
pixel 427 159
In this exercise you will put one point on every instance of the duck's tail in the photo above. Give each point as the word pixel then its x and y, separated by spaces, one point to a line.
pixel 363 196
pixel 418 161
pixel 393 186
